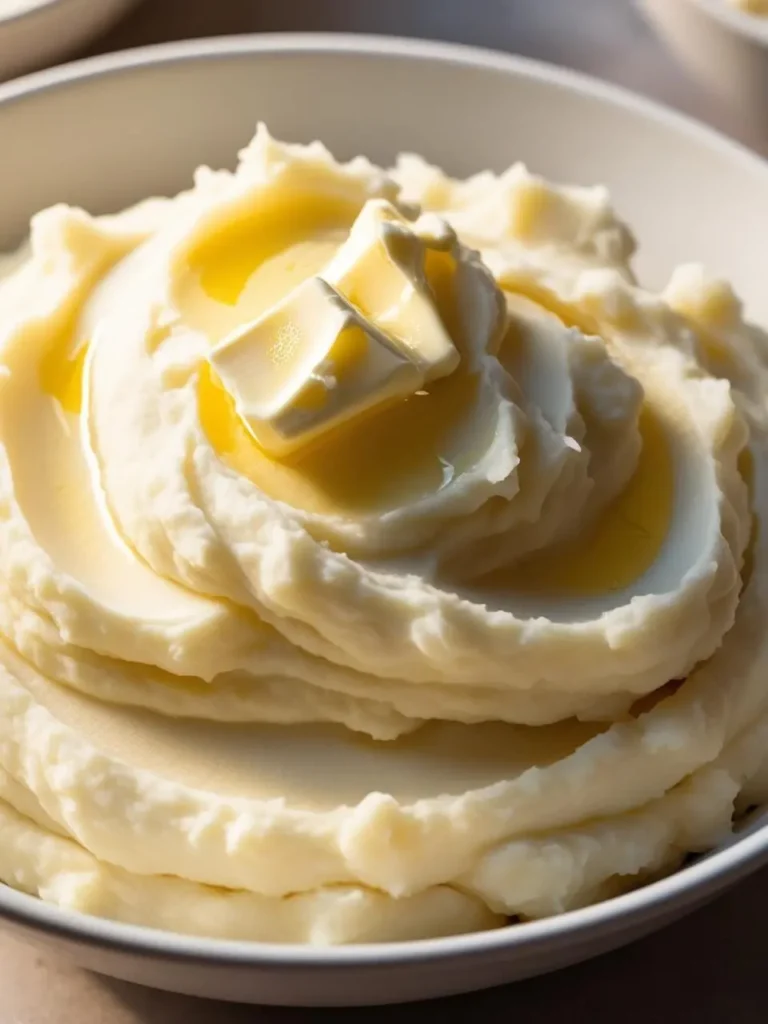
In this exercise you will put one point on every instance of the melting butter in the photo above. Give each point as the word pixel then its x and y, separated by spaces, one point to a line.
pixel 364 334
pixel 380 269
pixel 309 365
pixel 412 450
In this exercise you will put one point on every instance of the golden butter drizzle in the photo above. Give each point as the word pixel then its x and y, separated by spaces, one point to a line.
pixel 237 272
pixel 621 545
pixel 403 453
pixel 61 371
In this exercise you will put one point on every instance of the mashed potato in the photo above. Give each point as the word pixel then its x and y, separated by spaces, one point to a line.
pixel 494 648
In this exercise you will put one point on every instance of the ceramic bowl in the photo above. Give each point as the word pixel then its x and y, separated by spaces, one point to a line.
pixel 725 48
pixel 35 32
pixel 106 132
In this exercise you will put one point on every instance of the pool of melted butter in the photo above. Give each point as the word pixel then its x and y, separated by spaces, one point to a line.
pixel 620 545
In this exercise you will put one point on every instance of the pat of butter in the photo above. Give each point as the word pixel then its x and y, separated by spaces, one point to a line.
pixel 380 270
pixel 308 365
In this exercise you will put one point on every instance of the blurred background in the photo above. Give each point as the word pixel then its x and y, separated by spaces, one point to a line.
pixel 607 38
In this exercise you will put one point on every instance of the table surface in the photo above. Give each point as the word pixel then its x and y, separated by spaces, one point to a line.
pixel 708 968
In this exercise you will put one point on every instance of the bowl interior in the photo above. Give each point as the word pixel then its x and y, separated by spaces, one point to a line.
pixel 104 140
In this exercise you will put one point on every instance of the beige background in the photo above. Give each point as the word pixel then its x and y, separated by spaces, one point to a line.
pixel 710 968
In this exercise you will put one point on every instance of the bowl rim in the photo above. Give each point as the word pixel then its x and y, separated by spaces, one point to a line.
pixel 32 9
pixel 689 886
pixel 753 26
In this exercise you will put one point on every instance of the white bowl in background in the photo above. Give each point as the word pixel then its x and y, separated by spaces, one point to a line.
pixel 108 131
pixel 34 32
pixel 724 47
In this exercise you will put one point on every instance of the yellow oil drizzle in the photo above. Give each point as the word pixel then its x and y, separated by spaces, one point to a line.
pixel 61 372
pixel 398 454
pixel 226 258
pixel 237 272
pixel 622 544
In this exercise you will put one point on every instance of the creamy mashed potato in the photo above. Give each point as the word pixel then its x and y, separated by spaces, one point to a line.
pixel 487 641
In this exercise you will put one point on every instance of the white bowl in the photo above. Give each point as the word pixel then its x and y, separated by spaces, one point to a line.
pixel 34 32
pixel 723 46
pixel 108 131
